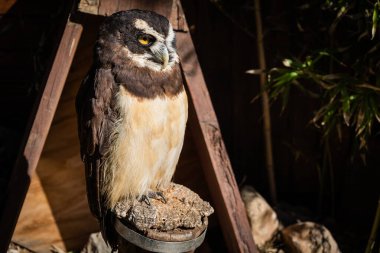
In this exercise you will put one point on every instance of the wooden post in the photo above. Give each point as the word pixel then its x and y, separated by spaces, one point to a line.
pixel 265 104
pixel 212 152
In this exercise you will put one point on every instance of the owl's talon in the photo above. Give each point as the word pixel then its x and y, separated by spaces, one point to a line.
pixel 153 195
pixel 145 198
pixel 157 195
pixel 161 195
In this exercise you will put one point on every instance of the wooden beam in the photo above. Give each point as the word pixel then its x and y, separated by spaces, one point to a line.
pixel 108 7
pixel 167 8
pixel 216 165
pixel 35 137
pixel 89 6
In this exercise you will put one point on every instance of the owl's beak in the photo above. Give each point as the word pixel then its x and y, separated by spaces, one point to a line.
pixel 162 54
pixel 165 58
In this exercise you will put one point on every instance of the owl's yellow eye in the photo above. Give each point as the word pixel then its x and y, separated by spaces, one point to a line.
pixel 146 40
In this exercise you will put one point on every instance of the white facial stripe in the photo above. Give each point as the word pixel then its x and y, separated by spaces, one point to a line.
pixel 142 25
pixel 142 61
pixel 169 43
pixel 170 37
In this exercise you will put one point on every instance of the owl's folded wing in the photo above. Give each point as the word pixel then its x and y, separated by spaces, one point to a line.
pixel 95 121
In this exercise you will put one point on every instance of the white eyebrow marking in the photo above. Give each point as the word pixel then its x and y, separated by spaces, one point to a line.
pixel 142 25
pixel 169 43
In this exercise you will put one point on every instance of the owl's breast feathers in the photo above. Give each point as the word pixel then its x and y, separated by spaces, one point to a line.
pixel 146 144
pixel 131 127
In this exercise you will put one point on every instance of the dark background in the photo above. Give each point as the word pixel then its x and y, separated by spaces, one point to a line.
pixel 347 204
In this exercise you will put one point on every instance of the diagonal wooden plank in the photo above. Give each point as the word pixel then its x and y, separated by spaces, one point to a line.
pixel 39 127
pixel 213 154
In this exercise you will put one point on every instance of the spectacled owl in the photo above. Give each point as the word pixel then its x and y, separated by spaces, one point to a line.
pixel 132 111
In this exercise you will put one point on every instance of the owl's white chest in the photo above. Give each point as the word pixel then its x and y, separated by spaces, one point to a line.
pixel 146 146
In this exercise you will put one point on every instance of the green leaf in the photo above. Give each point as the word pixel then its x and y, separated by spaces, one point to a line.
pixel 375 19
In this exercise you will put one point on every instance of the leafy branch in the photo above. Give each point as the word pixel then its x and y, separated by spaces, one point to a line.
pixel 344 98
pixel 344 75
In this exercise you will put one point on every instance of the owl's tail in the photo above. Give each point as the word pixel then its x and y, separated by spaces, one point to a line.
pixel 108 230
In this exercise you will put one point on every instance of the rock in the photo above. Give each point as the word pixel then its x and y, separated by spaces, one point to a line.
pixel 309 237
pixel 184 210
pixel 15 248
pixel 56 249
pixel 96 244
pixel 263 220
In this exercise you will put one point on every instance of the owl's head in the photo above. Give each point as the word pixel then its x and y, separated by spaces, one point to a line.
pixel 145 38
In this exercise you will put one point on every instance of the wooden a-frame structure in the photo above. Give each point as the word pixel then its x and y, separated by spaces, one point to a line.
pixel 203 124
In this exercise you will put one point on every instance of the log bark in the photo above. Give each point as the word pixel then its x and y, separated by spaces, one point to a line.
pixel 175 221
pixel 180 216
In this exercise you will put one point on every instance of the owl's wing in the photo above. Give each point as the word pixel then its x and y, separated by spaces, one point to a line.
pixel 95 123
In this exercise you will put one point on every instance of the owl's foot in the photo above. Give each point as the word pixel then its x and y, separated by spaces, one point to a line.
pixel 153 195
pixel 160 196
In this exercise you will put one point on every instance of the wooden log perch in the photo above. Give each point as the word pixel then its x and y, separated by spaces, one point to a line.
pixel 177 225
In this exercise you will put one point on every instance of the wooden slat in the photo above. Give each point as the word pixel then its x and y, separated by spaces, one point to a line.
pixel 35 138
pixel 60 188
pixel 108 7
pixel 177 18
pixel 5 5
pixel 216 164
pixel 89 6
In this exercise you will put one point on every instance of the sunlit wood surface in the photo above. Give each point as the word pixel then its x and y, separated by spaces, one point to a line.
pixel 5 5
pixel 55 210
